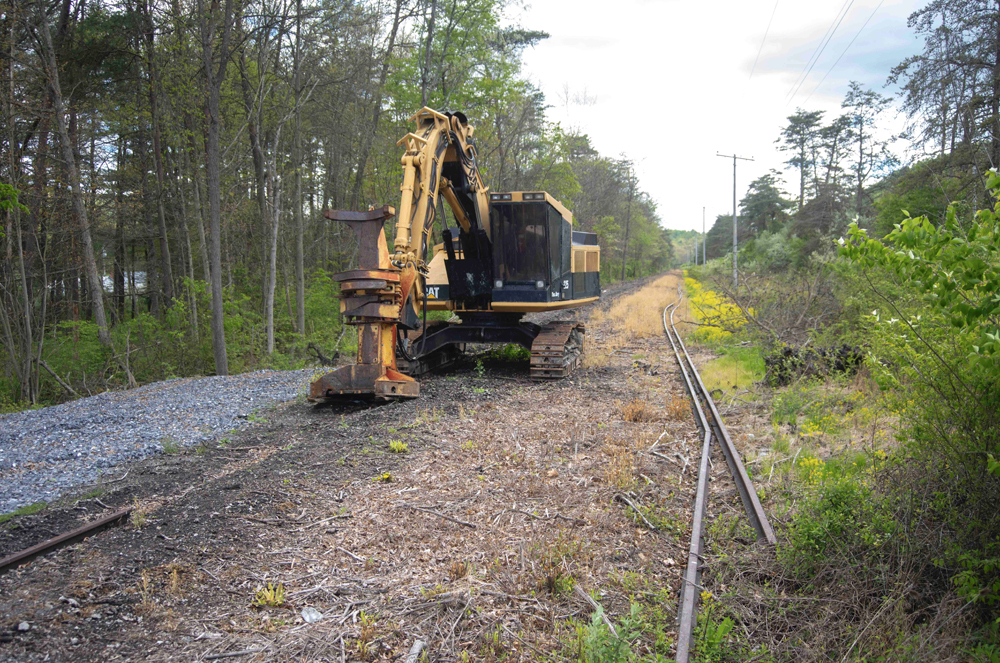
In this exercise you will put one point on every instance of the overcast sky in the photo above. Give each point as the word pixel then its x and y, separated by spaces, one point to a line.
pixel 668 84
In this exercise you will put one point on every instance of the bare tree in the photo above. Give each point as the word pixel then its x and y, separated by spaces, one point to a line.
pixel 94 282
pixel 215 23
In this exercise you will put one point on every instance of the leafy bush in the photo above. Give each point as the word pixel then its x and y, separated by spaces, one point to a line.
pixel 843 513
pixel 929 307
pixel 718 316
pixel 596 643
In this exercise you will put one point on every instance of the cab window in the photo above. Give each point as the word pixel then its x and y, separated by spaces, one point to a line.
pixel 520 242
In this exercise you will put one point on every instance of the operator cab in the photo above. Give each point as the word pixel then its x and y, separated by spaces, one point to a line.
pixel 533 249
pixel 537 260
pixel 532 240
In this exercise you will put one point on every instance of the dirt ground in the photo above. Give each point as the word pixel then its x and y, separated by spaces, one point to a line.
pixel 487 518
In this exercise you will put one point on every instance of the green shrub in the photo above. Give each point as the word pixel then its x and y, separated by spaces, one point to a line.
pixel 843 513
pixel 596 643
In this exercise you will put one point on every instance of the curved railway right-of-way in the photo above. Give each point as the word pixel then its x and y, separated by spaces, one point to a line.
pixel 713 429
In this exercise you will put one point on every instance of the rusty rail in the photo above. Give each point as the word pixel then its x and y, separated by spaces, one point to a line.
pixel 713 428
pixel 68 538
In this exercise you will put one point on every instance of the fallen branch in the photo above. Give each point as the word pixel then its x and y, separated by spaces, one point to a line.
pixel 596 607
pixel 657 441
pixel 414 654
pixel 41 362
pixel 664 457
pixel 635 508
pixel 557 516
pixel 350 554
pixel 320 522
pixel 230 654
pixel 441 515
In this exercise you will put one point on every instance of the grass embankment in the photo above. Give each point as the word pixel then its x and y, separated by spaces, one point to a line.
pixel 27 510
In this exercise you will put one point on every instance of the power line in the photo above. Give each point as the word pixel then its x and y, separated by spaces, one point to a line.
pixel 764 39
pixel 816 50
pixel 823 42
pixel 844 53
pixel 821 51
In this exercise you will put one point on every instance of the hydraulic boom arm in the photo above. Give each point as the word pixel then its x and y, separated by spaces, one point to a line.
pixel 440 159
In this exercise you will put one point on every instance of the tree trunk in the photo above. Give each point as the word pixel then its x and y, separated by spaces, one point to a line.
pixel 186 236
pixel 995 92
pixel 119 243
pixel 199 213
pixel 425 69
pixel 300 277
pixel 215 76
pixel 253 131
pixel 369 135
pixel 272 263
pixel 94 279
pixel 167 268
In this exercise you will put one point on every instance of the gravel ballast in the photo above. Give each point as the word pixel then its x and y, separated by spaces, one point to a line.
pixel 48 452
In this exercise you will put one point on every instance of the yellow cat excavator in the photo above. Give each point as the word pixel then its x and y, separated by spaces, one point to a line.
pixel 511 253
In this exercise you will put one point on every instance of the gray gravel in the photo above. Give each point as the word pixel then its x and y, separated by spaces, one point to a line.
pixel 46 453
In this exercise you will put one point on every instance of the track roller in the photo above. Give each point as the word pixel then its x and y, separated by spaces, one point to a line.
pixel 557 350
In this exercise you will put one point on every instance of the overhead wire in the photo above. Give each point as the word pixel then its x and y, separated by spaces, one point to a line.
pixel 816 50
pixel 832 30
pixel 762 41
pixel 858 34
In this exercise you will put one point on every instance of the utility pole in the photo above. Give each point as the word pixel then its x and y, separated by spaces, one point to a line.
pixel 696 250
pixel 734 158
pixel 704 239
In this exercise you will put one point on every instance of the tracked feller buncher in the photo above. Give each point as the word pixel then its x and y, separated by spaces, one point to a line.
pixel 512 253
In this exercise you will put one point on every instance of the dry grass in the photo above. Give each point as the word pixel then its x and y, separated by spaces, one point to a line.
pixel 517 509
pixel 639 411
pixel 678 407
pixel 638 315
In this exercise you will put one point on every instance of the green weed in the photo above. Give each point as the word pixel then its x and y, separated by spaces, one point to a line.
pixel 270 596
pixel 711 634
pixel 23 511
pixel 596 644
pixel 169 444
pixel 510 353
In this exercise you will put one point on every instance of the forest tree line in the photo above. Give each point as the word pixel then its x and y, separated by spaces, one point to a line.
pixel 898 266
pixel 165 166
pixel 849 166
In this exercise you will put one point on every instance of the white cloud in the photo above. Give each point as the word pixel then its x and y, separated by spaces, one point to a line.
pixel 669 81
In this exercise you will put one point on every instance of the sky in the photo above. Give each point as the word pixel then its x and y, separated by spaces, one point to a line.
pixel 668 83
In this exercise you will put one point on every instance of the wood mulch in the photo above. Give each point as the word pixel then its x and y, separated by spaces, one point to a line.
pixel 492 537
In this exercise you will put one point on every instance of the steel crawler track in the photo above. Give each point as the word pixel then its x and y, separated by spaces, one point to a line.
pixel 710 423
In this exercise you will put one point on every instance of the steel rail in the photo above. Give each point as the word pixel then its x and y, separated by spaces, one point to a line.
pixel 691 589
pixel 751 503
pixel 65 539
pixel 711 427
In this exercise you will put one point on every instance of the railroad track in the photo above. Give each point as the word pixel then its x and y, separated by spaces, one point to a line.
pixel 63 540
pixel 713 430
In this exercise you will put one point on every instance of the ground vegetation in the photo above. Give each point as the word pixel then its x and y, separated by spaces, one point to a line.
pixel 870 312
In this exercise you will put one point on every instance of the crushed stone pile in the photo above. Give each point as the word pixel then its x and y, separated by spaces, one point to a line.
pixel 48 452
